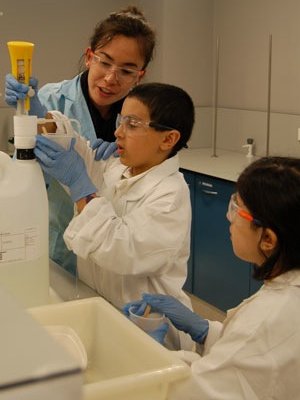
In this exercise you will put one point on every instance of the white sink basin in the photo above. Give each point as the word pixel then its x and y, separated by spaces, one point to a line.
pixel 123 362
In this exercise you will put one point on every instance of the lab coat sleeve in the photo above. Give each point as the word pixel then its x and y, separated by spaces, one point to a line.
pixel 243 363
pixel 144 241
pixel 228 372
pixel 214 332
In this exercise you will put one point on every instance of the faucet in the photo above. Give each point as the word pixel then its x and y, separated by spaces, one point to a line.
pixel 249 146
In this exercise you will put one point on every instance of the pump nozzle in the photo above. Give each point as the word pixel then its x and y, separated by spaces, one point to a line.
pixel 20 58
pixel 249 146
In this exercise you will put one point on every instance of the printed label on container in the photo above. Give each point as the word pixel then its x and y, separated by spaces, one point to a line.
pixel 21 245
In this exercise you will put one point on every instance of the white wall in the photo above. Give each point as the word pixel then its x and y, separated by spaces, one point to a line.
pixel 244 28
pixel 60 31
pixel 188 57
pixel 185 55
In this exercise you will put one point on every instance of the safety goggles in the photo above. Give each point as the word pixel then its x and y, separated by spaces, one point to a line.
pixel 234 209
pixel 123 75
pixel 134 125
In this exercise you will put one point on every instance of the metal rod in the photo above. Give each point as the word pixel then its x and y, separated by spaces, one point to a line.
pixel 269 95
pixel 215 120
pixel 250 109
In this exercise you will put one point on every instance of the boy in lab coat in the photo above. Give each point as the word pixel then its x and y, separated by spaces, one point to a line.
pixel 131 228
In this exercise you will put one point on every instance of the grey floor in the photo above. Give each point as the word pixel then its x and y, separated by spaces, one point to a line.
pixel 206 310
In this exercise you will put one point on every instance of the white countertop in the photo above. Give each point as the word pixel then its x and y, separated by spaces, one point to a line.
pixel 64 286
pixel 227 165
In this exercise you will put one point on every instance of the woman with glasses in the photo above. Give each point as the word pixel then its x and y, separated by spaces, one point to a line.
pixel 120 49
pixel 254 354
pixel 131 230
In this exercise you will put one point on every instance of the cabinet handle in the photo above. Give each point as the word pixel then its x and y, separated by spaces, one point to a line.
pixel 211 192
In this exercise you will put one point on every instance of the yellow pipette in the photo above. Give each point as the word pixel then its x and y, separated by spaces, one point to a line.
pixel 21 61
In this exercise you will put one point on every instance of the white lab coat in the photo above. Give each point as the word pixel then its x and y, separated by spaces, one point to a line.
pixel 135 237
pixel 257 353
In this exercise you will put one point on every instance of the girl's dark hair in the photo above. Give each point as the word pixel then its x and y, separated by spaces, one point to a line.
pixel 129 22
pixel 169 106
pixel 270 189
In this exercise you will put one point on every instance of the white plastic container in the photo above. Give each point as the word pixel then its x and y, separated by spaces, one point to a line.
pixel 123 361
pixel 33 365
pixel 24 256
pixel 62 140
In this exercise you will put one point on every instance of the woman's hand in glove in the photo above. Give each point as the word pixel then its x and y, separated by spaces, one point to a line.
pixel 15 91
pixel 104 149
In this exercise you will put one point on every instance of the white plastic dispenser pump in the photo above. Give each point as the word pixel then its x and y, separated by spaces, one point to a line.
pixel 21 62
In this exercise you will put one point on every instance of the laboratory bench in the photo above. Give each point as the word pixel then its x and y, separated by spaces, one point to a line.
pixel 225 165
pixel 65 286
pixel 215 274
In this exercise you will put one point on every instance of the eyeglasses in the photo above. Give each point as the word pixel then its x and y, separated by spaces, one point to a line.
pixel 123 74
pixel 234 209
pixel 131 124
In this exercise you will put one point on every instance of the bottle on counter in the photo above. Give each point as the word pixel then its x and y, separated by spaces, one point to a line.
pixel 24 255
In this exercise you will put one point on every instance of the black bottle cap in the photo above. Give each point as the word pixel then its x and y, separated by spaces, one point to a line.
pixel 25 154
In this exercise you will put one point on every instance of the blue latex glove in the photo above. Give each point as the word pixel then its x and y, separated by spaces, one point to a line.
pixel 104 149
pixel 181 317
pixel 159 334
pixel 64 165
pixel 138 307
pixel 15 90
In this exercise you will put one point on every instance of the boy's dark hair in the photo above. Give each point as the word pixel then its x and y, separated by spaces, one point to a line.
pixel 270 189
pixel 170 106
pixel 129 22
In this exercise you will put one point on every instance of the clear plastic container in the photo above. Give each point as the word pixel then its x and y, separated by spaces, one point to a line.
pixel 149 323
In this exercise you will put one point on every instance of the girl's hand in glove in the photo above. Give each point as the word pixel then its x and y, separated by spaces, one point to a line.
pixel 159 333
pixel 181 317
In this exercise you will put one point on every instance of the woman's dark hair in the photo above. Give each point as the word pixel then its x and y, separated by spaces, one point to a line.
pixel 129 22
pixel 270 189
pixel 169 106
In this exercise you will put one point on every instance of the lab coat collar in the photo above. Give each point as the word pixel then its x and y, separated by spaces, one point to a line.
pixel 70 88
pixel 75 105
pixel 290 278
pixel 150 178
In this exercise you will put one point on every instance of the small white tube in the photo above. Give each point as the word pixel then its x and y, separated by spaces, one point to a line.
pixel 25 130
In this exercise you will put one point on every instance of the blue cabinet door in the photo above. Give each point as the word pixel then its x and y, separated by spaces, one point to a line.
pixel 219 277
pixel 190 180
